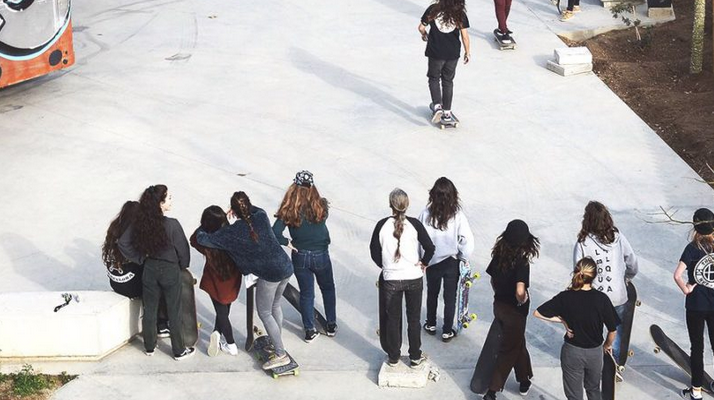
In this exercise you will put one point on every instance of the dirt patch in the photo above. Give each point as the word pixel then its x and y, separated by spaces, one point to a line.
pixel 28 385
pixel 654 80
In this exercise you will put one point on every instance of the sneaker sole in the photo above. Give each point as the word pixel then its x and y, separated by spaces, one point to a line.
pixel 213 344
pixel 313 339
pixel 282 364
pixel 189 355
pixel 436 117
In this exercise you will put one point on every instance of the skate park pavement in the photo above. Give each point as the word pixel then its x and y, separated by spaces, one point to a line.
pixel 213 97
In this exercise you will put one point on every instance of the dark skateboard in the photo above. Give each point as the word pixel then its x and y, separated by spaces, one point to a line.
pixel 610 363
pixel 249 314
pixel 486 364
pixel 440 124
pixel 667 346
pixel 509 45
pixel 463 318
pixel 189 322
pixel 264 350
pixel 292 295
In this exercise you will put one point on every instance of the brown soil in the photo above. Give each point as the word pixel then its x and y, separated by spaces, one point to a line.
pixel 653 79
pixel 6 389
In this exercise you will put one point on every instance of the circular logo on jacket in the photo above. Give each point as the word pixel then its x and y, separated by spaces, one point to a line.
pixel 443 26
pixel 704 271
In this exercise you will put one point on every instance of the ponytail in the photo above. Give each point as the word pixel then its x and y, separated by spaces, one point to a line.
pixel 240 204
pixel 584 274
pixel 398 202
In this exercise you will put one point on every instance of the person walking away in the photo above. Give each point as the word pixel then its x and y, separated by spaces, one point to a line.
pixel 396 244
pixel 583 312
pixel 450 232
pixel 304 212
pixel 448 24
pixel 509 269
pixel 698 260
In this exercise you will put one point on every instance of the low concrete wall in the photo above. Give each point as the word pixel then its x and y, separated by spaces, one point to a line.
pixel 90 329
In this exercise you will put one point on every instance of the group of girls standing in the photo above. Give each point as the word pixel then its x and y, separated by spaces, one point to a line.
pixel 154 248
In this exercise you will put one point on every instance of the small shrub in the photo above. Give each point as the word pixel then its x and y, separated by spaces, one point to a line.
pixel 27 382
pixel 65 378
pixel 621 10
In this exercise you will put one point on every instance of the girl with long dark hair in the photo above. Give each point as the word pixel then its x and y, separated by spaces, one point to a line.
pixel 583 313
pixel 304 212
pixel 221 280
pixel 449 229
pixel 253 247
pixel 698 261
pixel 447 22
pixel 509 268
pixel 396 244
pixel 160 244
pixel 600 240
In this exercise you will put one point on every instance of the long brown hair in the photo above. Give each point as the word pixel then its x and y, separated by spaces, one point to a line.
pixel 508 255
pixel 398 202
pixel 302 202
pixel 213 219
pixel 452 12
pixel 240 204
pixel 597 221
pixel 584 274
pixel 148 234
pixel 443 203
pixel 705 243
pixel 111 256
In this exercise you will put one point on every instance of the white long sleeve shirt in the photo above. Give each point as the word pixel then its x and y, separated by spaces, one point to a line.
pixel 457 240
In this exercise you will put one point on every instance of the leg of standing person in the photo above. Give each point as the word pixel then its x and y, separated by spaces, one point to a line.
pixel 434 75
pixel 695 327
pixel 413 298
pixel 223 322
pixel 393 293
pixel 451 284
pixel 162 320
pixel 267 302
pixel 306 282
pixel 434 275
pixel 322 268
pixel 501 16
pixel 620 310
pixel 512 349
pixel 572 364
pixel 150 297
pixel 448 72
pixel 169 279
pixel 507 10
pixel 593 373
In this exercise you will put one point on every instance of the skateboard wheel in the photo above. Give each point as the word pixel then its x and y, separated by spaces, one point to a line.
pixel 297 372
pixel 377 332
pixel 657 350
pixel 275 376
pixel 473 317
pixel 620 368
pixel 465 325
pixel 477 275
pixel 199 325
pixel 638 303
pixel 456 125
pixel 441 127
pixel 631 353
pixel 468 284
pixel 376 284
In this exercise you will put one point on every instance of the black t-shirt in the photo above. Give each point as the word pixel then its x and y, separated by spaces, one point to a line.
pixel 444 41
pixel 127 280
pixel 585 312
pixel 505 282
pixel 700 270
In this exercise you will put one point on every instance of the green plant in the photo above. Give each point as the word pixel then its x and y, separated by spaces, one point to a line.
pixel 65 378
pixel 621 10
pixel 27 382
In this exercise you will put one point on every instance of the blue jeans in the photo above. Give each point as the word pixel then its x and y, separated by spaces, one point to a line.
pixel 309 266
pixel 620 310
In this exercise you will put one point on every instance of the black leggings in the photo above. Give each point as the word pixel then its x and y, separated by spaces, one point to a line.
pixel 695 326
pixel 448 271
pixel 223 322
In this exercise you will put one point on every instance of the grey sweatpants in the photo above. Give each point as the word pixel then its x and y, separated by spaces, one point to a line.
pixel 267 302
pixel 441 75
pixel 582 368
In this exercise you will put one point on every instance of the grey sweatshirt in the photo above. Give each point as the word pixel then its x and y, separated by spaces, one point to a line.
pixel 616 263
pixel 177 250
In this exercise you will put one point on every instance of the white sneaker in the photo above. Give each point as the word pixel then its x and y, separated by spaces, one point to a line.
pixel 230 349
pixel 276 362
pixel 213 344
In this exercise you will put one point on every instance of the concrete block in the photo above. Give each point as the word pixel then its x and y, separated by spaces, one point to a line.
pixel 660 12
pixel 402 375
pixel 573 55
pixel 90 329
pixel 567 70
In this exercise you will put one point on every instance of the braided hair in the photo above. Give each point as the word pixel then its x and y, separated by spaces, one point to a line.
pixel 240 204
pixel 398 202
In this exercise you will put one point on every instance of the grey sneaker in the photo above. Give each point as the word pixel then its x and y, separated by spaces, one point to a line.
pixel 447 336
pixel 331 329
pixel 436 112
pixel 276 362
pixel 419 361
pixel 213 344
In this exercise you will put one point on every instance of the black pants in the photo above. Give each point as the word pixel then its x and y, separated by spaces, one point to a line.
pixel 393 291
pixel 512 354
pixel 572 3
pixel 444 71
pixel 695 326
pixel 223 322
pixel 448 270
pixel 162 276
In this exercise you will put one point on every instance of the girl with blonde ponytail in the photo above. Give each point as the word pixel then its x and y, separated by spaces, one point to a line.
pixel 583 312
pixel 396 245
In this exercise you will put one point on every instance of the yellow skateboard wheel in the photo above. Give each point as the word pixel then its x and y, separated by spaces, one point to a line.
pixel 477 275
pixel 468 284
pixel 466 325
pixel 474 316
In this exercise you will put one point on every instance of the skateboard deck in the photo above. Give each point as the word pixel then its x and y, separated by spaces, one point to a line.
pixel 612 362
pixel 249 314
pixel 262 347
pixel 441 125
pixel 189 322
pixel 292 295
pixel 486 364
pixel 463 318
pixel 504 45
pixel 675 353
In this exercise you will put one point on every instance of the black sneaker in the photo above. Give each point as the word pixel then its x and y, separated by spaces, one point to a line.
pixel 688 393
pixel 498 33
pixel 331 329
pixel 149 353
pixel 430 329
pixel 524 387
pixel 447 336
pixel 310 335
pixel 506 38
pixel 417 362
pixel 490 395
pixel 163 333
pixel 188 352
pixel 392 363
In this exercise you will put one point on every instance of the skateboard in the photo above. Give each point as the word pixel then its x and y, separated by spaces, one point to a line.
pixel 292 295
pixel 616 363
pixel 249 314
pixel 263 350
pixel 189 322
pixel 508 45
pixel 463 318
pixel 675 353
pixel 486 364
pixel 438 122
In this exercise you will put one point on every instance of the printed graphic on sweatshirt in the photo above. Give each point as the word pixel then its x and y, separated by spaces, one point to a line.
pixel 704 271
pixel 604 269
pixel 443 26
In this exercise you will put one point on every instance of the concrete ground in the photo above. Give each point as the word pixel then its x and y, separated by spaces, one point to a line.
pixel 213 97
